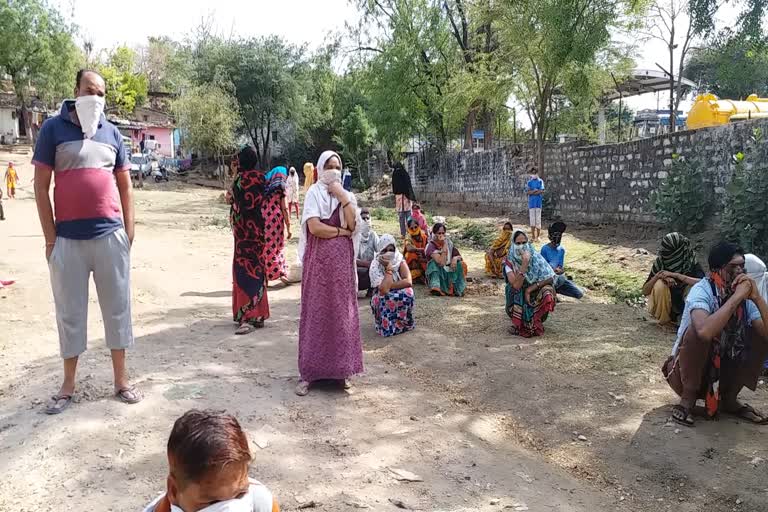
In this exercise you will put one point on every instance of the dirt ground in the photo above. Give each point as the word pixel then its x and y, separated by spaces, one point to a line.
pixel 574 421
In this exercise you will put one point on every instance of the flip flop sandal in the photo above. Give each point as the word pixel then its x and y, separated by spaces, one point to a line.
pixel 682 415
pixel 55 408
pixel 302 388
pixel 248 328
pixel 245 329
pixel 129 395
pixel 744 413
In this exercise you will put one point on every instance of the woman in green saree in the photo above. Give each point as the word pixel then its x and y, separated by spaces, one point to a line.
pixel 446 270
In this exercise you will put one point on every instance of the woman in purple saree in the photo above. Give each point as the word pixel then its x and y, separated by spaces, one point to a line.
pixel 330 347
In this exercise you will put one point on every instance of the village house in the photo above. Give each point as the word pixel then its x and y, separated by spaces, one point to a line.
pixel 12 126
pixel 9 119
pixel 147 123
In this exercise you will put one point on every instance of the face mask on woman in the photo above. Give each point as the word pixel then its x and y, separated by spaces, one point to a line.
pixel 521 248
pixel 330 176
pixel 385 258
pixel 89 110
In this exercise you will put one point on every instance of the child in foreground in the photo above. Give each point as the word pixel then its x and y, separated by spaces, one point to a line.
pixel 208 459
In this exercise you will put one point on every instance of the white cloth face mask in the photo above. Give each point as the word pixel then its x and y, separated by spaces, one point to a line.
pixel 329 177
pixel 244 504
pixel 89 110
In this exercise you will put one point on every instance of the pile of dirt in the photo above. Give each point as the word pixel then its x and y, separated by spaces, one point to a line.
pixel 485 287
pixel 379 191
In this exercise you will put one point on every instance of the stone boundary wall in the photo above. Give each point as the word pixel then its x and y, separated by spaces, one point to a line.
pixel 608 183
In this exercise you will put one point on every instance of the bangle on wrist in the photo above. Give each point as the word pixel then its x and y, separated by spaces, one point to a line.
pixel 50 244
pixel 338 232
pixel 346 204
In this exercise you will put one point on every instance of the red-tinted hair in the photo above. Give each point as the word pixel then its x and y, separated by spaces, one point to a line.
pixel 204 442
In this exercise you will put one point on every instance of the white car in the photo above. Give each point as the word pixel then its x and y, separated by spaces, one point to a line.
pixel 140 164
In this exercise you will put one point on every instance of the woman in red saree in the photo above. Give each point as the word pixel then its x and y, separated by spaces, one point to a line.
pixel 250 306
pixel 277 221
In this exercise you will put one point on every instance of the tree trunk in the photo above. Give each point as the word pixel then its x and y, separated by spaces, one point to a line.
pixel 540 154
pixel 672 113
pixel 469 128
pixel 489 128
pixel 27 120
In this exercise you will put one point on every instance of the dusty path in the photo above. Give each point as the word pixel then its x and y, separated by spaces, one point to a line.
pixel 331 447
pixel 494 417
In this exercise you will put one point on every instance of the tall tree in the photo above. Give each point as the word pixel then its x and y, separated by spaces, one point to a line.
pixel 356 136
pixel 209 117
pixel 733 66
pixel 476 91
pixel 549 43
pixel 166 64
pixel 671 22
pixel 314 130
pixel 37 52
pixel 126 89
pixel 680 23
pixel 413 56
pixel 265 75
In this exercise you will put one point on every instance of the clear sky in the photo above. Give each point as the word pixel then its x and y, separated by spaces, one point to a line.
pixel 299 21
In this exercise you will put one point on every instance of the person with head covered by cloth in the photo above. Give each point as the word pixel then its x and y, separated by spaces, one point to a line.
pixel 530 294
pixel 330 347
pixel 277 224
pixel 554 253
pixel 404 196
pixel 673 274
pixel 392 301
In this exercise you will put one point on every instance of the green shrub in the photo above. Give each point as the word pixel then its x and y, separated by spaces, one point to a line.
pixel 387 214
pixel 476 234
pixel 745 217
pixel 684 201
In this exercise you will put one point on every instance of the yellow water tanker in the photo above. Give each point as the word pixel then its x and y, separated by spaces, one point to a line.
pixel 707 110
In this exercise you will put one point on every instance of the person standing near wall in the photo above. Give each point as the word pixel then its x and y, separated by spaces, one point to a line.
pixel 11 178
pixel 404 196
pixel 92 232
pixel 535 189
pixel 292 192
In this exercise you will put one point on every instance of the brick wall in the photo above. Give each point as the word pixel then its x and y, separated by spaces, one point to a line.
pixel 613 182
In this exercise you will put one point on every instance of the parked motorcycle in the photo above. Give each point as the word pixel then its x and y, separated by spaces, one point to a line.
pixel 160 174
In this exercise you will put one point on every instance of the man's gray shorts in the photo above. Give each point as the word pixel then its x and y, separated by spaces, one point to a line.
pixel 71 264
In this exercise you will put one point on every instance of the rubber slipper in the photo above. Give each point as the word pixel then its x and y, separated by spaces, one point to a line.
pixel 682 415
pixel 129 395
pixel 245 329
pixel 302 388
pixel 55 407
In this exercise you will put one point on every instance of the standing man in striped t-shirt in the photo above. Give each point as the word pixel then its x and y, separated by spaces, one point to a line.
pixel 89 229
